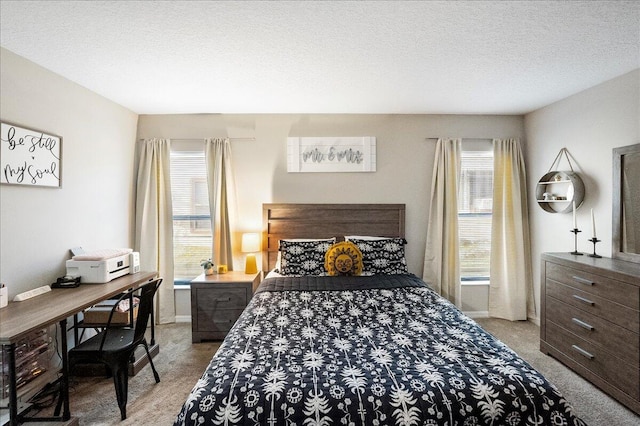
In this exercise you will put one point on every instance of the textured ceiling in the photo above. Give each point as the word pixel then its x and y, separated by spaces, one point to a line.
pixel 461 57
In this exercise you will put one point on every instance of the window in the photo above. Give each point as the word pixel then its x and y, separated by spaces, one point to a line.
pixel 200 206
pixel 474 214
pixel 192 237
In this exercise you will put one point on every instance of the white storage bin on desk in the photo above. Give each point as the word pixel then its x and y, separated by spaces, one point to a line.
pixel 558 190
pixel 4 296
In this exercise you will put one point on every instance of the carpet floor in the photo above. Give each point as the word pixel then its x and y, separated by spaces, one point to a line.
pixel 181 363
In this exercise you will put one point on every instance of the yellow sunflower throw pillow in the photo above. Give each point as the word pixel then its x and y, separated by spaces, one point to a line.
pixel 343 258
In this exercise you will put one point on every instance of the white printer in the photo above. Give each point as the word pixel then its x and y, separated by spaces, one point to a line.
pixel 102 266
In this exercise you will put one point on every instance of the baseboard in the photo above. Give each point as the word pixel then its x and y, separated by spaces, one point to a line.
pixel 477 314
pixel 183 318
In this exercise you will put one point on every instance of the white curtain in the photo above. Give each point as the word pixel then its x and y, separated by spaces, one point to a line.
pixel 154 222
pixel 442 258
pixel 511 288
pixel 221 198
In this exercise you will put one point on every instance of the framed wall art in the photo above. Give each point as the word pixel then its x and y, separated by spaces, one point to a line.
pixel 29 157
pixel 331 154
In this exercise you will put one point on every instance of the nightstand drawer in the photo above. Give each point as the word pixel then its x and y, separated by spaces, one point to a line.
pixel 616 291
pixel 595 329
pixel 222 298
pixel 602 363
pixel 218 319
pixel 595 305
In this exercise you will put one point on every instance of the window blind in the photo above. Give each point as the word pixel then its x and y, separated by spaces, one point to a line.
pixel 474 214
pixel 192 239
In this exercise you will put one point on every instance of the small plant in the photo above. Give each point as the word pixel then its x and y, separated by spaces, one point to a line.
pixel 207 264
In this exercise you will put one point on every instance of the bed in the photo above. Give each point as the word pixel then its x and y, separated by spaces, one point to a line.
pixel 379 348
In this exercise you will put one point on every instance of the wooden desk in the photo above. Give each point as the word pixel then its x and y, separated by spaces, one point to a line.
pixel 18 319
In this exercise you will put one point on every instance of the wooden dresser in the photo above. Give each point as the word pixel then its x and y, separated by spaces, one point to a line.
pixel 217 301
pixel 590 321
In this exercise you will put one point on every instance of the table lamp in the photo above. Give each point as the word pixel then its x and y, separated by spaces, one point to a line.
pixel 250 245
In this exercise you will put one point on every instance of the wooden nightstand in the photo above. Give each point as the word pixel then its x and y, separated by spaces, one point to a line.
pixel 217 301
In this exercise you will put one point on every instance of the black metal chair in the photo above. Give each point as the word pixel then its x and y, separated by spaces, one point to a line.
pixel 115 345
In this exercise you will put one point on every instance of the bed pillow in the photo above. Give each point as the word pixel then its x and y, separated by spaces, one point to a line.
pixel 303 257
pixel 363 237
pixel 279 256
pixel 383 257
pixel 343 258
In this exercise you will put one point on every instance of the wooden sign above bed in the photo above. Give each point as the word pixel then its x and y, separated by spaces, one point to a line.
pixel 331 154
pixel 283 221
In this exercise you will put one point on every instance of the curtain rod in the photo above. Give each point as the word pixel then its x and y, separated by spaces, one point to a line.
pixel 202 139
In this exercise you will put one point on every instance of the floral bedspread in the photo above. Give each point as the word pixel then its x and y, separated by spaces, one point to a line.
pixel 383 350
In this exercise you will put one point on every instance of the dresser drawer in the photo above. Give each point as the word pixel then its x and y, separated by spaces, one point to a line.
pixel 217 320
pixel 594 305
pixel 595 329
pixel 222 298
pixel 602 363
pixel 616 291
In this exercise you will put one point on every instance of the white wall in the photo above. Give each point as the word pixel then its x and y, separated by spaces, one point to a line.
pixel 589 124
pixel 94 206
pixel 404 159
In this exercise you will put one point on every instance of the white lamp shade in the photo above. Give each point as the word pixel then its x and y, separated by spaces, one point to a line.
pixel 250 242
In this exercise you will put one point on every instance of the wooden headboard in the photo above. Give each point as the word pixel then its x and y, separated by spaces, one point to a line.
pixel 281 221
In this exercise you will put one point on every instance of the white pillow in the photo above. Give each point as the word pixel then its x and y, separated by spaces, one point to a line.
pixel 365 238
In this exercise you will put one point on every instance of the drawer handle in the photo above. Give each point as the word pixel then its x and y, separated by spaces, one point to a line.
pixel 228 299
pixel 223 321
pixel 582 324
pixel 582 352
pixel 582 299
pixel 582 280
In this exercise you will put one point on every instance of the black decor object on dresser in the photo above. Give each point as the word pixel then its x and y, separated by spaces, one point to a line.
pixel 590 321
pixel 217 301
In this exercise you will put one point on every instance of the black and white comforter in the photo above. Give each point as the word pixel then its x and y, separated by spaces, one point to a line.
pixel 382 350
